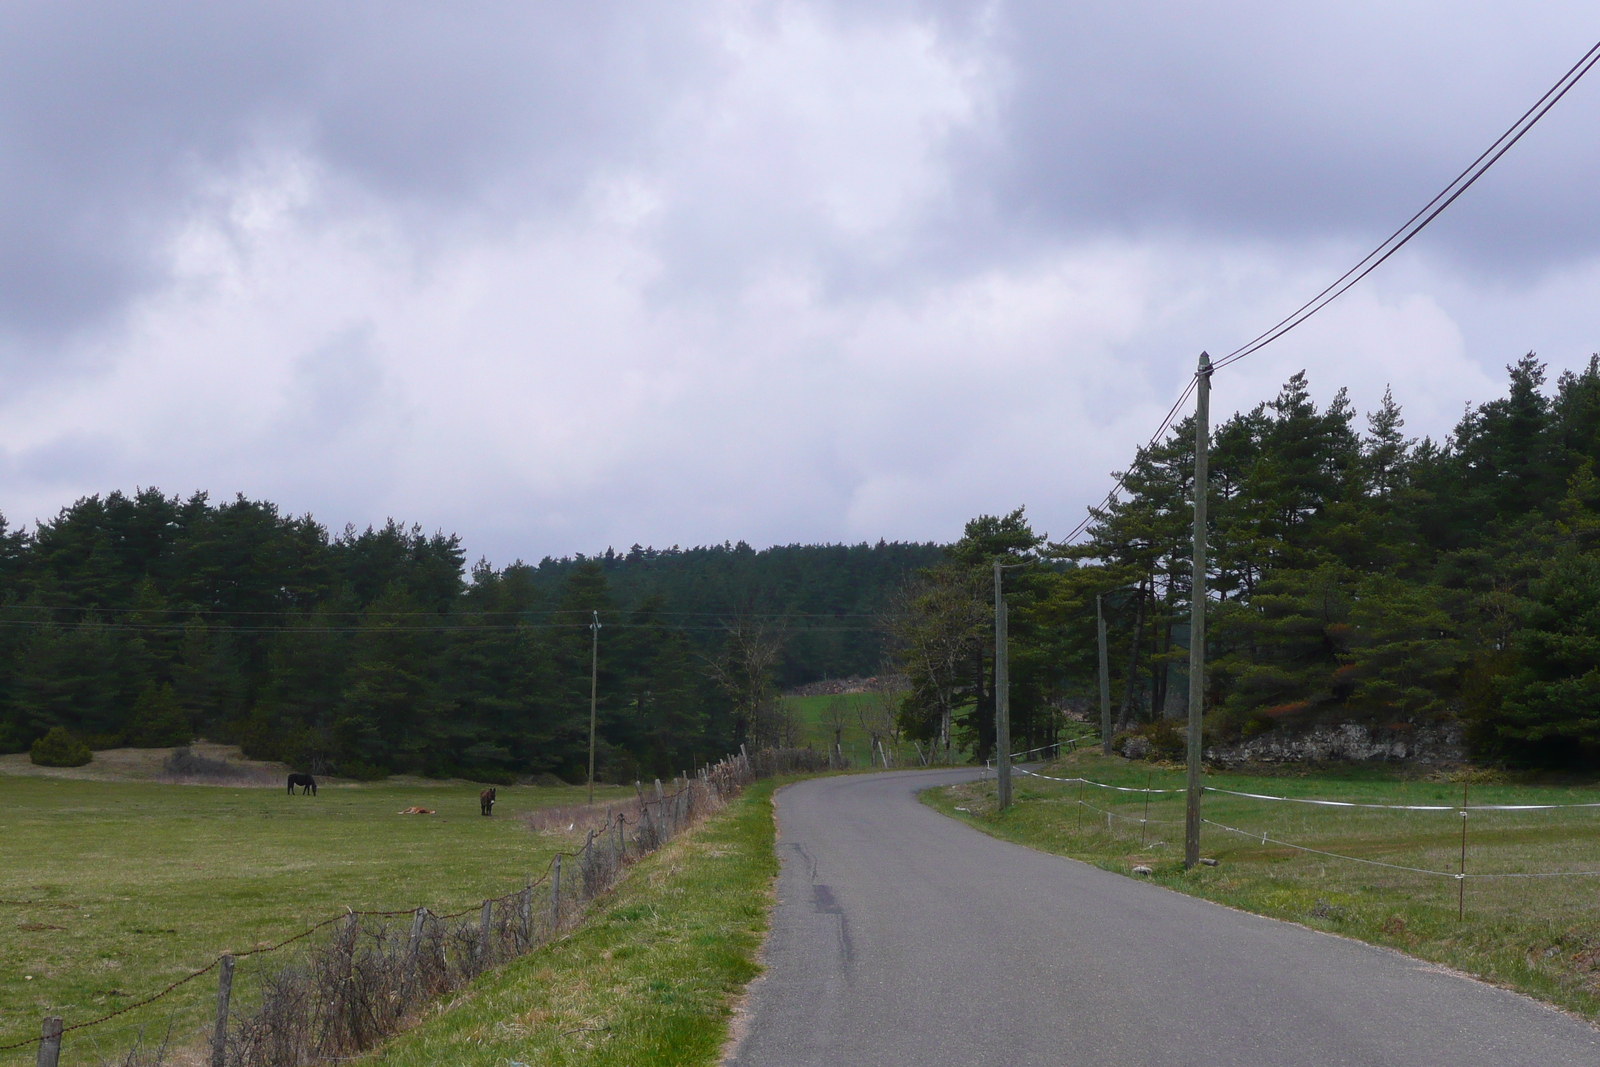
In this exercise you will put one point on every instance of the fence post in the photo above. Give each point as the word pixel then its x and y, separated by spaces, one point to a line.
pixel 49 1041
pixel 555 894
pixel 527 913
pixel 588 867
pixel 485 922
pixel 219 1037
pixel 414 942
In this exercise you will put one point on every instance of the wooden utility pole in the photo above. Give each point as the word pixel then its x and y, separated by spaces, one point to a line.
pixel 1105 680
pixel 1197 611
pixel 1002 691
pixel 594 693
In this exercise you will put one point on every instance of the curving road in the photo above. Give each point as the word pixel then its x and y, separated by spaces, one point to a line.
pixel 905 939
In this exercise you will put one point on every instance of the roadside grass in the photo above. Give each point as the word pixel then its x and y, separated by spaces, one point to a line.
pixel 648 981
pixel 1538 936
pixel 109 891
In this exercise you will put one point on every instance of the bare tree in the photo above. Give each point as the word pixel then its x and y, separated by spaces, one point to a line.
pixel 935 623
pixel 744 670
pixel 776 724
pixel 836 716
pixel 879 714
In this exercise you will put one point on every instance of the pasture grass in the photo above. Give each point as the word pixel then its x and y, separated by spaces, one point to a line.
pixel 815 731
pixel 111 890
pixel 1539 936
pixel 649 981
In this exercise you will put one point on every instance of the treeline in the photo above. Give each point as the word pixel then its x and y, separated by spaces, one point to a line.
pixel 833 593
pixel 1356 574
pixel 149 620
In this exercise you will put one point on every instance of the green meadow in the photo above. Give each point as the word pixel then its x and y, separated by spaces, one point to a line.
pixel 1378 875
pixel 816 728
pixel 109 891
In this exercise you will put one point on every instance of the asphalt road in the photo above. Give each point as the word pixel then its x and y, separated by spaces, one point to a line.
pixel 907 939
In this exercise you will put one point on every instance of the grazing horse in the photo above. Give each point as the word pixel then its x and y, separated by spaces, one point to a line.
pixel 486 801
pixel 306 783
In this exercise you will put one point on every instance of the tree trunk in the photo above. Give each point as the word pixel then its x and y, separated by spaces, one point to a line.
pixel 1125 716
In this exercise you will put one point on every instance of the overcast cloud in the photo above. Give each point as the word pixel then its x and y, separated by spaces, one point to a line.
pixel 561 276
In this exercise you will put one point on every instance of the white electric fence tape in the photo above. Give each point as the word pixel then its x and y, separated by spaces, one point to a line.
pixel 1265 839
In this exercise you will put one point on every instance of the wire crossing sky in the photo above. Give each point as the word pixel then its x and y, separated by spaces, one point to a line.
pixel 561 278
pixel 1374 259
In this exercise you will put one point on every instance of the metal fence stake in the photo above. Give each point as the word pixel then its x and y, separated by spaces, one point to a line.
pixel 219 1037
pixel 555 894
pixel 414 942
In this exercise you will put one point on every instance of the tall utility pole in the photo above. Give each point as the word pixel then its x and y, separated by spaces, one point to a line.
pixel 1197 611
pixel 1002 691
pixel 594 694
pixel 1105 680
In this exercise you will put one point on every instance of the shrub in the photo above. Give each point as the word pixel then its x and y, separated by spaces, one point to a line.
pixel 59 748
pixel 362 772
pixel 487 777
pixel 158 720
pixel 184 763
pixel 14 737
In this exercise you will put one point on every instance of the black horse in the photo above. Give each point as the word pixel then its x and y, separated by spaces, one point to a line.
pixel 306 783
pixel 486 801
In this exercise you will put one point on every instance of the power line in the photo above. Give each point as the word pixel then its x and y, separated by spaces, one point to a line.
pixel 1372 260
pixel 1430 211
pixel 315 613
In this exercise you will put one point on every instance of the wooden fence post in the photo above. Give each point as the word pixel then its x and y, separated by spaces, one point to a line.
pixel 527 913
pixel 50 1041
pixel 219 1037
pixel 485 923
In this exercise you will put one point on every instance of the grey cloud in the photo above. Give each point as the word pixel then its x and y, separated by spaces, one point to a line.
pixel 1256 120
pixel 113 116
pixel 1281 122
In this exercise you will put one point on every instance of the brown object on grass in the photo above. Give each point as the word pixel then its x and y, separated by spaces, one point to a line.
pixel 416 811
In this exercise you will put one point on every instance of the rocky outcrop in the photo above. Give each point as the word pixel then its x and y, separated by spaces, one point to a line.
pixel 1440 743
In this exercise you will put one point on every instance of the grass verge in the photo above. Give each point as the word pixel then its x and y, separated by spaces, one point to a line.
pixel 648 981
pixel 1535 935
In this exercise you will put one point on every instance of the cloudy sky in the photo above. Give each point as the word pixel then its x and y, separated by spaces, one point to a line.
pixel 560 276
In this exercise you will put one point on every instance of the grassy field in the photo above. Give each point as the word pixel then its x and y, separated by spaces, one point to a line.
pixel 1536 935
pixel 650 981
pixel 111 890
pixel 816 731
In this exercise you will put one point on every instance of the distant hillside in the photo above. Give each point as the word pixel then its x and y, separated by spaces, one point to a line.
pixel 832 592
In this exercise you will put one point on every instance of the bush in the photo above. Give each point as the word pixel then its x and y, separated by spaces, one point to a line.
pixel 362 772
pixel 158 720
pixel 1159 740
pixel 186 764
pixel 59 748
pixel 14 737
pixel 486 777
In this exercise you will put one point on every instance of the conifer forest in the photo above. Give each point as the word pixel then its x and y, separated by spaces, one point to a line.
pixel 1357 575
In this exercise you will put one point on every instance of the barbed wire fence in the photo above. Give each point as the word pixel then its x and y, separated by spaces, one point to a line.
pixel 312 1001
